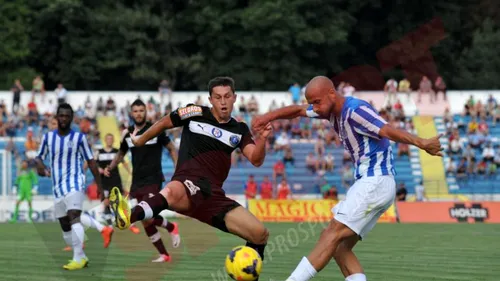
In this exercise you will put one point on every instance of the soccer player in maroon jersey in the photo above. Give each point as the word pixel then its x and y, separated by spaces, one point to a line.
pixel 209 137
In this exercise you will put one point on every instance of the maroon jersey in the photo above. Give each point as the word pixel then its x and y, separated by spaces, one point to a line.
pixel 206 145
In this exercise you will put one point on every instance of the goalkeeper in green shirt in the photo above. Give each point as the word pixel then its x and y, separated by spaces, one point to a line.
pixel 26 184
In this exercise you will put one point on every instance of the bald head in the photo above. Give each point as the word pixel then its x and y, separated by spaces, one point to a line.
pixel 319 86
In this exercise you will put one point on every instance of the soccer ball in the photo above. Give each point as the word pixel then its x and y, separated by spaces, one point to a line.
pixel 243 264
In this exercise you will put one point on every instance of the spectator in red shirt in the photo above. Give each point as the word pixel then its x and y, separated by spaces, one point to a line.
pixel 278 170
pixel 251 188
pixel 266 189
pixel 284 191
pixel 32 112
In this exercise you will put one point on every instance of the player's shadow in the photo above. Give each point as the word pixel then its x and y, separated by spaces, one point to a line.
pixel 52 236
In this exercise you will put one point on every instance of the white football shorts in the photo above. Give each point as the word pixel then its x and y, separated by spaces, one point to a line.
pixel 366 200
pixel 70 201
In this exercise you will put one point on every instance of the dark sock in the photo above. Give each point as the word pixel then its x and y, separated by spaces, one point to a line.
pixel 161 222
pixel 153 205
pixel 155 238
pixel 258 248
pixel 107 215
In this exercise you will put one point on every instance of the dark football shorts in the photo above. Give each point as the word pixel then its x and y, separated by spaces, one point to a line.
pixel 143 192
pixel 209 203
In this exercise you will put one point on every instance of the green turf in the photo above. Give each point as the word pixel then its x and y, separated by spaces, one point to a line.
pixel 391 252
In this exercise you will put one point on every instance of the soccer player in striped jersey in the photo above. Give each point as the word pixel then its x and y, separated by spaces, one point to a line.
pixel 67 150
pixel 367 138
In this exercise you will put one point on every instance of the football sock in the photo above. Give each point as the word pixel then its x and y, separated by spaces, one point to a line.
pixel 304 271
pixel 356 277
pixel 77 237
pixel 163 222
pixel 16 212
pixel 68 238
pixel 149 208
pixel 155 238
pixel 89 221
pixel 30 213
pixel 258 248
pixel 107 215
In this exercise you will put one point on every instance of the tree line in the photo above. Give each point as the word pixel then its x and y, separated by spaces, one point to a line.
pixel 263 44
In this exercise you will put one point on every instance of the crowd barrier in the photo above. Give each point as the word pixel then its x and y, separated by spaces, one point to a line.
pixel 317 210
pixel 449 212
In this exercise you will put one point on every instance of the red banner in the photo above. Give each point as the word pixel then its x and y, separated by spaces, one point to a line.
pixel 449 212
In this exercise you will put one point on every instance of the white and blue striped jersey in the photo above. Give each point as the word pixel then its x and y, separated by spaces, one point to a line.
pixel 358 128
pixel 66 155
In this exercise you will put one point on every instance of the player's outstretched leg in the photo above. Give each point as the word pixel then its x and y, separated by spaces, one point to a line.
pixel 173 195
pixel 106 231
pixel 171 227
pixel 239 221
pixel 323 252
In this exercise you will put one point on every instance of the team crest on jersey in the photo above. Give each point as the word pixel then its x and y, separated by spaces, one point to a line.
pixel 70 144
pixel 216 132
pixel 234 140
pixel 189 111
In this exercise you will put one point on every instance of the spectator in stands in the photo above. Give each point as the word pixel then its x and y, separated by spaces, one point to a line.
pixel 404 87
pixel 305 128
pixel 403 149
pixel 199 101
pixel 348 90
pixel 278 171
pixel 296 129
pixel 151 113
pixel 164 90
pixel 455 146
pixel 312 163
pixel 282 142
pixel 346 157
pixel 32 116
pixel 447 117
pixel 253 105
pixel 476 139
pixel 488 152
pixel 347 175
pixel 294 91
pixel 496 159
pixel 16 89
pixel 440 87
pixel 471 167
pixel 425 88
pixel 100 107
pixel 420 192
pixel 451 167
pixel 251 188
pixel 492 169
pixel 329 161
pixel 496 115
pixel 491 104
pixel 390 89
pixel 401 192
pixel 288 158
pixel 242 106
pixel 38 86
pixel 31 145
pixel 331 193
pixel 469 153
pixel 273 105
pixel 61 93
pixel 284 190
pixel 266 188
pixel 111 106
pixel 398 110
pixel 481 167
pixel 482 127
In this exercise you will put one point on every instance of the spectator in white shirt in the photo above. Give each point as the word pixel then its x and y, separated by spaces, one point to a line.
pixel 488 152
pixel 282 142
pixel 420 192
pixel 61 93
pixel 348 90
pixel 329 162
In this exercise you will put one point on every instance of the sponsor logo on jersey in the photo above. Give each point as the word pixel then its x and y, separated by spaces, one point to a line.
pixel 189 111
pixel 216 132
pixel 234 140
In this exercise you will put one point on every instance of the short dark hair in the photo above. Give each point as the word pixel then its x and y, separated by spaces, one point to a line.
pixel 65 106
pixel 220 81
pixel 138 102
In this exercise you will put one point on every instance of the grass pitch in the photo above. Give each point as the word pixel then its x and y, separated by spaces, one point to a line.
pixel 400 252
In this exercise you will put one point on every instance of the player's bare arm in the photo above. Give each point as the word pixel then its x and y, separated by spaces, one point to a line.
pixel 173 152
pixel 431 146
pixel 160 126
pixel 287 112
pixel 256 153
pixel 118 159
pixel 41 168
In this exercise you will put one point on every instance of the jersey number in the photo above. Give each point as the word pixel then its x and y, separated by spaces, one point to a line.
pixel 191 186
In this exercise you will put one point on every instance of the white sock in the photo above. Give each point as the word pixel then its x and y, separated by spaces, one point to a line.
pixel 77 235
pixel 68 238
pixel 304 271
pixel 164 222
pixel 356 277
pixel 148 212
pixel 89 221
